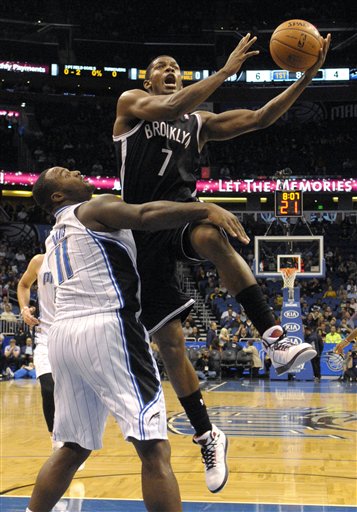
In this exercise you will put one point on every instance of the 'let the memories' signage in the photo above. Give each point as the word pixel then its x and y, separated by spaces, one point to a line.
pixel 247 186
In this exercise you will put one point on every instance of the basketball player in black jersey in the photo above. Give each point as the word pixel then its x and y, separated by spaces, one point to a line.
pixel 158 142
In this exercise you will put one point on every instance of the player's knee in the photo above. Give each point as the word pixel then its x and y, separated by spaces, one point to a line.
pixel 76 453
pixel 208 241
pixel 173 350
pixel 155 457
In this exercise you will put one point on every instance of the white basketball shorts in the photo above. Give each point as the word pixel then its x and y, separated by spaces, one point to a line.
pixel 40 358
pixel 103 364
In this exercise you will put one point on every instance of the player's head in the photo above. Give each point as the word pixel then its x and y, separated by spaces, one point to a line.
pixel 57 186
pixel 163 76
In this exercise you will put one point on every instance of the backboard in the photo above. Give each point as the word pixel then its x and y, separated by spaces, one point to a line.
pixel 303 252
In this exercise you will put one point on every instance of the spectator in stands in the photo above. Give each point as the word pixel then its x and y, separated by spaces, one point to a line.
pixel 27 351
pixel 212 336
pixel 311 321
pixel 5 303
pixel 330 293
pixel 353 305
pixel 231 322
pixel 8 315
pixel 224 338
pixel 242 332
pixel 191 320
pixel 333 336
pixel 315 339
pixel 278 301
pixel 304 309
pixel 196 333
pixel 187 329
pixel 3 364
pixel 350 364
pixel 344 328
pixel 26 371
pixel 12 355
pixel 20 337
pixel 234 344
pixel 256 361
pixel 229 318
pixel 216 294
pixel 204 366
pixel 351 288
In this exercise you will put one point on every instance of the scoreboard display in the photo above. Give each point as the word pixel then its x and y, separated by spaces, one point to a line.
pixel 249 76
pixel 288 203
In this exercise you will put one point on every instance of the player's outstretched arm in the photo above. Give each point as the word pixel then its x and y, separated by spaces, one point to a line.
pixel 24 288
pixel 107 213
pixel 138 104
pixel 236 122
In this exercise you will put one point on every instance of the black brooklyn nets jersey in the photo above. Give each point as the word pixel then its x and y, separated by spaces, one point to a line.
pixel 159 160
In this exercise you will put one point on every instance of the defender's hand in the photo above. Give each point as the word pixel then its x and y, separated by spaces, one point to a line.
pixel 229 222
pixel 239 55
pixel 27 315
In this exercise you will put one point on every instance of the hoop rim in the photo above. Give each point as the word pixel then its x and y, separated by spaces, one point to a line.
pixel 288 271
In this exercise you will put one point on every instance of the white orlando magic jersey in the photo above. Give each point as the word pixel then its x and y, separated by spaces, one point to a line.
pixel 93 272
pixel 46 298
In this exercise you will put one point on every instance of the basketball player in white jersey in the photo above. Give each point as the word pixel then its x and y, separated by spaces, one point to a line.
pixel 38 270
pixel 158 137
pixel 98 349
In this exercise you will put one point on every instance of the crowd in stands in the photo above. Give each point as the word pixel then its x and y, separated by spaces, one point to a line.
pixel 329 305
pixel 78 135
pixel 133 21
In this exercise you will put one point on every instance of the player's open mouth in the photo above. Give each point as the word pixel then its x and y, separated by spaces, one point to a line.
pixel 170 79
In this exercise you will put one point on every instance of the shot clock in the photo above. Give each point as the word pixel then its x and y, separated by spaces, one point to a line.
pixel 288 203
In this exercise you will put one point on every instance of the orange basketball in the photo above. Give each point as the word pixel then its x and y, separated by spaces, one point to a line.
pixel 295 45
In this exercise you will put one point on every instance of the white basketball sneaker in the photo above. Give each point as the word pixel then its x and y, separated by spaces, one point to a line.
pixel 285 355
pixel 214 445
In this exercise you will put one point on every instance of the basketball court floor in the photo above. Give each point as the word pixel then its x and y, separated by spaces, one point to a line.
pixel 292 449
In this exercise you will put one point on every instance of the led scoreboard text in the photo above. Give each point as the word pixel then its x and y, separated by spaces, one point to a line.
pixel 249 76
pixel 288 203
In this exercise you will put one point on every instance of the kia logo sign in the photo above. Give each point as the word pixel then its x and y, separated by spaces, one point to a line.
pixel 290 313
pixel 292 327
pixel 295 340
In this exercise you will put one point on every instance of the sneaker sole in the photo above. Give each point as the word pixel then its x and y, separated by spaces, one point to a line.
pixel 302 357
pixel 215 491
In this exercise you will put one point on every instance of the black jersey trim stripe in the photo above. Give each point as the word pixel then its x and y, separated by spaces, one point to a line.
pixel 174 313
pixel 140 364
pixel 118 138
pixel 124 151
pixel 199 122
pixel 122 247
pixel 127 359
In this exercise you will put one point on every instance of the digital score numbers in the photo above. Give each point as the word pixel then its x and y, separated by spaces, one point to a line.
pixel 288 203
pixel 94 71
pixel 282 75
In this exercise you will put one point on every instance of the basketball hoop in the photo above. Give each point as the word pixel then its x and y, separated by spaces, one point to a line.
pixel 288 276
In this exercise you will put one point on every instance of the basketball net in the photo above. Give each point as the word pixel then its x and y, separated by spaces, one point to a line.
pixel 289 275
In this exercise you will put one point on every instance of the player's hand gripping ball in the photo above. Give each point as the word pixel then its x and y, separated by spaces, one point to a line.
pixel 295 45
